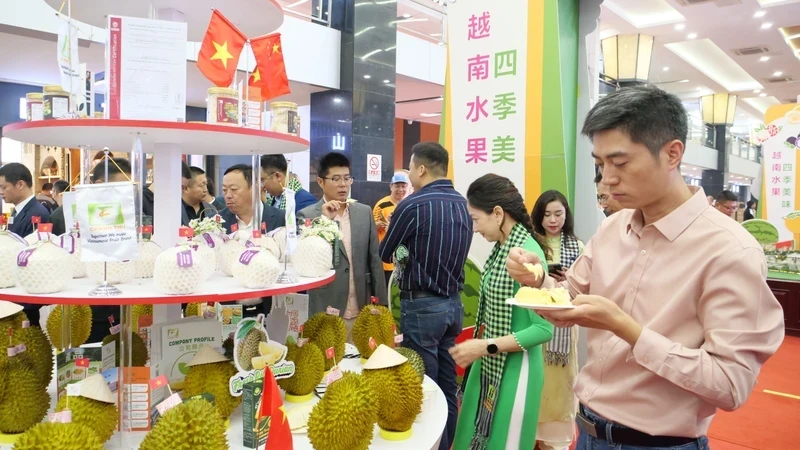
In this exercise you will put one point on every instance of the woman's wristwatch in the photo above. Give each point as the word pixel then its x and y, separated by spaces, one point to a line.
pixel 491 347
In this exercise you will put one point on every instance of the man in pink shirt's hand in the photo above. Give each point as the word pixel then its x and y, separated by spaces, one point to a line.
pixel 674 295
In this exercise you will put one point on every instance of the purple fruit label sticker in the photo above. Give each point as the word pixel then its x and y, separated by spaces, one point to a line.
pixel 24 256
pixel 247 256
pixel 249 244
pixel 68 243
pixel 208 239
pixel 224 237
pixel 185 258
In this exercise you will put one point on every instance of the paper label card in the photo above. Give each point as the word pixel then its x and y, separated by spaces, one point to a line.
pixel 334 375
pixel 185 258
pixel 332 311
pixel 301 342
pixel 64 416
pixel 169 403
pixel 115 329
pixel 398 339
pixel 247 256
pixel 73 390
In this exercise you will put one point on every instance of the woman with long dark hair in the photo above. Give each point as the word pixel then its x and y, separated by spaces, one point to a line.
pixel 552 220
pixel 505 353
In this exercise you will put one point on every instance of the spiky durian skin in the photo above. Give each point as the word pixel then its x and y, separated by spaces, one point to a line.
pixel 415 360
pixel 327 330
pixel 193 424
pixel 100 417
pixel 399 395
pixel 25 401
pixel 309 363
pixel 248 348
pixel 345 417
pixel 214 379
pixel 139 358
pixel 14 321
pixel 227 346
pixel 59 436
pixel 139 310
pixel 191 310
pixel 39 350
pixel 80 325
pixel 376 326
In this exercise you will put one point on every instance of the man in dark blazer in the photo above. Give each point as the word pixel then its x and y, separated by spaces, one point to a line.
pixel 16 188
pixel 275 179
pixel 237 184
pixel 193 195
pixel 359 269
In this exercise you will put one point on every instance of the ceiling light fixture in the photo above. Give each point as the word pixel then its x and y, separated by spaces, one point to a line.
pixel 367 77
pixel 764 59
pixel 777 74
pixel 386 81
pixel 762 94
pixel 337 100
pixel 680 26
pixel 759 14
pixel 692 35
pixel 766 26
pixel 430 114
pixel 666 69
pixel 757 91
pixel 406 16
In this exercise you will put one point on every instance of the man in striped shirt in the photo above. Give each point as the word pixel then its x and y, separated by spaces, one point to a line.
pixel 429 237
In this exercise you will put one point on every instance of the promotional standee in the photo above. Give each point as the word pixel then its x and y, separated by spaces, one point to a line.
pixel 778 228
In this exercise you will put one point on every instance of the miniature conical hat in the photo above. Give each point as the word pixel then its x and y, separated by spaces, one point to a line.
pixel 384 357
pixel 8 309
pixel 96 388
pixel 206 355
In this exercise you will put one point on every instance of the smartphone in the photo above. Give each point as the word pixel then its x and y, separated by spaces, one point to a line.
pixel 554 268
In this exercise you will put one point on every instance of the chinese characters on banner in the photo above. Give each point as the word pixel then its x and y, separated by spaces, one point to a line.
pixel 779 153
pixel 488 66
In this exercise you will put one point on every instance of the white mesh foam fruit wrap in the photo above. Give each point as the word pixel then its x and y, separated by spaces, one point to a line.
pixel 228 254
pixel 215 242
pixel 170 278
pixel 10 246
pixel 260 272
pixel 118 272
pixel 280 239
pixel 72 244
pixel 267 243
pixel 148 251
pixel 47 271
pixel 35 237
pixel 206 257
pixel 313 257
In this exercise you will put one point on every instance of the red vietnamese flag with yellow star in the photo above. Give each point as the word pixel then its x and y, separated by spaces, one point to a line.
pixel 219 54
pixel 280 435
pixel 270 73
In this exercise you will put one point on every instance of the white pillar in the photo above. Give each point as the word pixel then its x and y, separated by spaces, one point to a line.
pixel 167 220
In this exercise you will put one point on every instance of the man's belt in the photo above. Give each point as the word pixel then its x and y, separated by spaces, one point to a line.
pixel 628 436
pixel 417 295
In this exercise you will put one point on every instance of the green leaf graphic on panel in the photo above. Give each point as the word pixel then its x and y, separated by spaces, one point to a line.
pixel 105 214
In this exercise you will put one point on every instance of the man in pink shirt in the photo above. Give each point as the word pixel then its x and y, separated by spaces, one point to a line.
pixel 674 294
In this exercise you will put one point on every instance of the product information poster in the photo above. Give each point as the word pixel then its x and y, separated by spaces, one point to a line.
pixel 107 219
pixel 146 69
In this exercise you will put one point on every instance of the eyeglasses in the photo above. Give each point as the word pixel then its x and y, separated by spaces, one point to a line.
pixel 347 179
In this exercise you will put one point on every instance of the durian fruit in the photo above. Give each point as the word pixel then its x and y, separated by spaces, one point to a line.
pixel 100 417
pixel 399 396
pixel 193 424
pixel 227 346
pixel 326 331
pixel 213 378
pixel 10 246
pixel 376 322
pixel 345 417
pixel 59 436
pixel 13 321
pixel 139 357
pixel 309 363
pixel 414 359
pixel 117 272
pixel 247 349
pixel 39 350
pixel 313 256
pixel 192 309
pixel 80 325
pixel 24 401
pixel 140 310
pixel 256 268
pixel 229 254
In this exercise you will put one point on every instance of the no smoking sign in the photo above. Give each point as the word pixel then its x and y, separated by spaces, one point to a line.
pixel 373 167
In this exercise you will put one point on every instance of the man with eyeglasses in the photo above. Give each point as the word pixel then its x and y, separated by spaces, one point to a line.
pixel 359 269
pixel 605 201
pixel 275 179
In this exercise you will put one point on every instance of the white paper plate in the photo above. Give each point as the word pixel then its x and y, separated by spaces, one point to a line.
pixel 514 302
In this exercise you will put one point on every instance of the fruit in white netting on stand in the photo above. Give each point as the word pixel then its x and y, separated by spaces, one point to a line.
pixel 36 236
pixel 10 246
pixel 206 257
pixel 213 241
pixel 71 242
pixel 117 272
pixel 177 271
pixel 313 257
pixel 267 243
pixel 44 268
pixel 256 268
pixel 148 252
pixel 280 238
pixel 229 253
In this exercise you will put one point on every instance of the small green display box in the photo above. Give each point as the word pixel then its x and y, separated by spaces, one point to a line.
pixel 255 431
